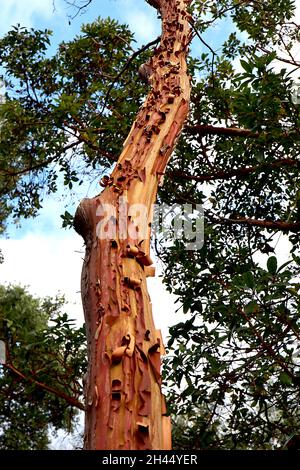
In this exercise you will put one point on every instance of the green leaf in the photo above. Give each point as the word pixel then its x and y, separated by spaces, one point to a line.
pixel 272 265
pixel 252 307
pixel 260 156
pixel 67 219
pixel 221 339
pixel 246 66
pixel 249 280
pixel 285 379
pixel 270 57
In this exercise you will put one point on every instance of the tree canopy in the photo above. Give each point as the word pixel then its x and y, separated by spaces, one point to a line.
pixel 41 378
pixel 55 119
pixel 233 363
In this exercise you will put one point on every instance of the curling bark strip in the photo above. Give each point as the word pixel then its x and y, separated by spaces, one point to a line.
pixel 125 408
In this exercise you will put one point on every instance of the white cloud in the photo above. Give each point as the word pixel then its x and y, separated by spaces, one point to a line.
pixel 144 27
pixel 142 21
pixel 24 12
pixel 49 264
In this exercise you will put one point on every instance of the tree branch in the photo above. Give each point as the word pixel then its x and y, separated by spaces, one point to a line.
pixel 80 8
pixel 291 61
pixel 208 47
pixel 38 166
pixel 154 3
pixel 216 175
pixel 70 400
pixel 267 224
pixel 203 129
pixel 239 172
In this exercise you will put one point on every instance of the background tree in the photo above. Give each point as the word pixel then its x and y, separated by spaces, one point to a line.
pixel 41 379
pixel 235 357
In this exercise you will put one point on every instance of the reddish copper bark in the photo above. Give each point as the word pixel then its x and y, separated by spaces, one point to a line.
pixel 124 405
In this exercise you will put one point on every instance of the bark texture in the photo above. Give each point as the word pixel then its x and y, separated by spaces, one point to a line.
pixel 124 405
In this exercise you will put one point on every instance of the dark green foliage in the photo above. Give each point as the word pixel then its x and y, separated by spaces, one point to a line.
pixel 238 355
pixel 233 366
pixel 42 347
pixel 53 119
pixel 235 361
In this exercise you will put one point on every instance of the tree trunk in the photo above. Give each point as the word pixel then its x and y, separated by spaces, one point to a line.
pixel 124 405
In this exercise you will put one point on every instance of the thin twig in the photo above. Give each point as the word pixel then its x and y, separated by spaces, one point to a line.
pixel 79 8
pixel 70 400
pixel 208 47
pixel 38 165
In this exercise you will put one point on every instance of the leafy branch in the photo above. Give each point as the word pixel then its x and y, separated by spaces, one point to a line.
pixel 70 400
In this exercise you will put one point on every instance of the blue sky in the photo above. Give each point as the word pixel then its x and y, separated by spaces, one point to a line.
pixel 40 254
pixel 34 251
pixel 41 14
pixel 54 15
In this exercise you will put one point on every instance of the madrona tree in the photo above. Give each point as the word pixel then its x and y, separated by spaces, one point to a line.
pixel 125 408
pixel 232 365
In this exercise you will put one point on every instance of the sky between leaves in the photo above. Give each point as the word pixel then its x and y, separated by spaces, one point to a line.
pixel 39 253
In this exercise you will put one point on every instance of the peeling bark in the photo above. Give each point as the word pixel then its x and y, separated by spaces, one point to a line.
pixel 124 405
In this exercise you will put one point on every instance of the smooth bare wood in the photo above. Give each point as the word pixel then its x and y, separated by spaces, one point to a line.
pixel 125 408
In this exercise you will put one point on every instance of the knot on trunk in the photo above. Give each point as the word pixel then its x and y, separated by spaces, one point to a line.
pixel 145 72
